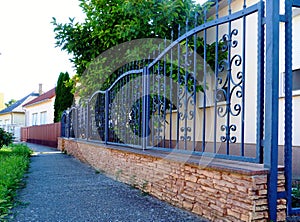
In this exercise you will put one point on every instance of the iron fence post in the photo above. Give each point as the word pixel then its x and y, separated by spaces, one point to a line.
pixel 260 85
pixel 288 106
pixel 271 117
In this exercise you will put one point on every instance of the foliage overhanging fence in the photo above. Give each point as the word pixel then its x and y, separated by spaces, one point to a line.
pixel 178 100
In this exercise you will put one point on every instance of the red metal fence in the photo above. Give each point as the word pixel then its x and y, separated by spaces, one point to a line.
pixel 44 134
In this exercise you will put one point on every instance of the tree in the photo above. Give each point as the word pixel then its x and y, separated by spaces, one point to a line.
pixel 10 102
pixel 110 23
pixel 64 97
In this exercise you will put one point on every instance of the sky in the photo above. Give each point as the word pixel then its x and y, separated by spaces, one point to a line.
pixel 27 45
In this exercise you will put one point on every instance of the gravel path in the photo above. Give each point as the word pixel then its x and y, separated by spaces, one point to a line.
pixel 61 188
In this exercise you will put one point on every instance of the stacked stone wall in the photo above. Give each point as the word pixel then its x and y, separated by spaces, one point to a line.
pixel 218 193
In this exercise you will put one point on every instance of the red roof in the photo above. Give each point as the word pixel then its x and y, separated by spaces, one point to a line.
pixel 45 96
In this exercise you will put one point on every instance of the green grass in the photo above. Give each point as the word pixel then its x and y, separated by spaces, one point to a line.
pixel 14 162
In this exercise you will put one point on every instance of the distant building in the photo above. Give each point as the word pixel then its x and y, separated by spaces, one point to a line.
pixel 2 106
pixel 12 118
pixel 40 110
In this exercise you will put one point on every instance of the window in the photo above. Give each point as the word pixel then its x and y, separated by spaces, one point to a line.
pixel 34 119
pixel 296 79
pixel 43 117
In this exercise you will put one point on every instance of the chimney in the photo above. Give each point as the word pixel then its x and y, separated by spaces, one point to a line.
pixel 2 106
pixel 40 89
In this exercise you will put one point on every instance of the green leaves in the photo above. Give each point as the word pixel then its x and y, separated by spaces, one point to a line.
pixel 5 138
pixel 109 23
pixel 10 102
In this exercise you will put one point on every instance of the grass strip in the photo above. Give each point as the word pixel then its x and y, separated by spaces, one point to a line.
pixel 14 162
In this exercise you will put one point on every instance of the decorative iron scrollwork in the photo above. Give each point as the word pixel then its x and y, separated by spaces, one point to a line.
pixel 229 87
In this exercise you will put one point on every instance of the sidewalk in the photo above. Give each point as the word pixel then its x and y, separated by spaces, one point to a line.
pixel 61 188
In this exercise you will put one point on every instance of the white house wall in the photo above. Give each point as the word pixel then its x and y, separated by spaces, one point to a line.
pixel 46 106
pixel 250 81
pixel 251 71
pixel 5 119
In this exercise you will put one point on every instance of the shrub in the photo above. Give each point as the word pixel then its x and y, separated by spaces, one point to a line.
pixel 5 138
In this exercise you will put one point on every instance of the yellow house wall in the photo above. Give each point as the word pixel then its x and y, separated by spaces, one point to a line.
pixel 2 106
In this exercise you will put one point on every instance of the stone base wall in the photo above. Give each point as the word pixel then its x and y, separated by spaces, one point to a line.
pixel 218 190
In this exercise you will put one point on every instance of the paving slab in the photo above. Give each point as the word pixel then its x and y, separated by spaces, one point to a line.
pixel 61 188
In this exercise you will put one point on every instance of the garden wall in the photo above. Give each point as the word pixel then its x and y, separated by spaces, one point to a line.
pixel 219 190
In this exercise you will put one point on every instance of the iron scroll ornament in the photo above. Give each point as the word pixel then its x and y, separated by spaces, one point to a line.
pixel 229 86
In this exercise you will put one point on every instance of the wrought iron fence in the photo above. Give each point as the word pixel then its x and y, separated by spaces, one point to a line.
pixel 190 95
pixel 213 91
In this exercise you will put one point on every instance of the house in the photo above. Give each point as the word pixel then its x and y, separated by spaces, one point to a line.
pixel 13 117
pixel 40 110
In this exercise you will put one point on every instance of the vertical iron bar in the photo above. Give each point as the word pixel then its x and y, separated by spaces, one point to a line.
pixel 242 151
pixel 216 78
pixel 132 97
pixel 148 108
pixel 186 88
pixel 272 83
pixel 204 83
pixel 171 91
pixel 288 124
pixel 153 103
pixel 67 123
pixel 128 95
pixel 159 105
pixel 77 124
pixel 120 130
pixel 106 116
pixel 126 80
pixel 145 108
pixel 260 83
pixel 194 85
pixel 228 104
pixel 165 101
pixel 88 120
pixel 178 92
pixel 140 97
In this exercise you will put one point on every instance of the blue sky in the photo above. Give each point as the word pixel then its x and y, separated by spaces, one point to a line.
pixel 27 45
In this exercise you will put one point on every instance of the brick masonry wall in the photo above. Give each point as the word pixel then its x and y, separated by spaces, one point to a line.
pixel 216 193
